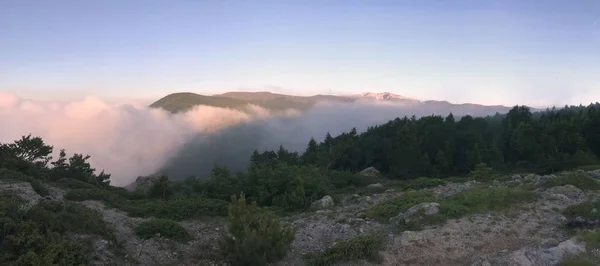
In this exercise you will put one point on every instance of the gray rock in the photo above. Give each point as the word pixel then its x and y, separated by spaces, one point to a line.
pixel 324 203
pixel 572 192
pixel 375 186
pixel 534 255
pixel 516 178
pixel 370 172
pixel 594 174
pixel 426 208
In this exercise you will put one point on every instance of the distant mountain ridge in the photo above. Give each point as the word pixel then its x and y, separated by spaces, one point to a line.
pixel 183 101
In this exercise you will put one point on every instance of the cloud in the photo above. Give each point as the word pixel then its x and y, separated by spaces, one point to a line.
pixel 232 146
pixel 125 140
pixel 129 139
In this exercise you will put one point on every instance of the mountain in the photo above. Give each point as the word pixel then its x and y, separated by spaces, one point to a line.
pixel 180 102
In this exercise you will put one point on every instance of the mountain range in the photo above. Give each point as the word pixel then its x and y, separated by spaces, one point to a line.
pixel 183 101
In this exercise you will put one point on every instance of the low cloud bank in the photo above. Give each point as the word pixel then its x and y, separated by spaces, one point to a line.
pixel 123 139
pixel 131 140
pixel 232 146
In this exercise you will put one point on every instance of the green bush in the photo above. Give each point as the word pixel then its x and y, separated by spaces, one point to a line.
pixel 578 180
pixel 359 248
pixel 425 182
pixel 584 210
pixel 39 188
pixel 255 235
pixel 166 228
pixel 473 200
pixel 174 209
pixel 392 207
pixel 482 172
pixel 38 236
pixel 74 183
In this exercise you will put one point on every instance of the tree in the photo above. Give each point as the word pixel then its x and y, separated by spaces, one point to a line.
pixel 161 188
pixel 440 164
pixel 310 154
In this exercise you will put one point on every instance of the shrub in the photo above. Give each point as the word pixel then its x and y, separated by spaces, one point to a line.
pixel 174 209
pixel 255 235
pixel 578 180
pixel 166 228
pixel 584 210
pixel 392 207
pixel 74 183
pixel 424 182
pixel 359 248
pixel 39 188
pixel 482 172
pixel 38 236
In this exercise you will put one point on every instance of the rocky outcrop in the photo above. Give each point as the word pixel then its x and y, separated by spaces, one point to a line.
pixel 23 190
pixel 324 203
pixel 370 172
pixel 533 255
pixel 416 212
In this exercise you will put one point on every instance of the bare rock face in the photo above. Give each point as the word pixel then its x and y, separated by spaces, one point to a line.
pixel 324 203
pixel 426 209
pixel 23 190
pixel 370 172
pixel 534 255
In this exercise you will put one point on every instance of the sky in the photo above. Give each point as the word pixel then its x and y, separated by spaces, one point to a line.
pixel 491 52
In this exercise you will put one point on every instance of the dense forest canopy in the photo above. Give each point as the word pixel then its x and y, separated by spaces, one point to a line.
pixel 437 146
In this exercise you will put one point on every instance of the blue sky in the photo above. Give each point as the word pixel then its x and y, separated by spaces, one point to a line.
pixel 492 52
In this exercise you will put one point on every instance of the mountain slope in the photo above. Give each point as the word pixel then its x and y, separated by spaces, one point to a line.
pixel 181 102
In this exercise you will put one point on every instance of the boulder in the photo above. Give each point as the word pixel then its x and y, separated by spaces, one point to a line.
pixel 375 186
pixel 370 172
pixel 570 191
pixel 417 212
pixel 515 178
pixel 324 203
pixel 594 174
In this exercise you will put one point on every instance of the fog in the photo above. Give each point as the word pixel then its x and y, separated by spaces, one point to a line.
pixel 131 140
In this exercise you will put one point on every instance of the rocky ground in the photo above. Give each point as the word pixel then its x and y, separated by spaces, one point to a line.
pixel 529 234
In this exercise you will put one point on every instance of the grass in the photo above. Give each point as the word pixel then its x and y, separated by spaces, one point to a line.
pixel 363 247
pixel 166 228
pixel 578 180
pixel 473 200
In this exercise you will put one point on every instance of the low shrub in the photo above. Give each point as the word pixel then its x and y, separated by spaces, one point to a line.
pixel 364 247
pixel 392 207
pixel 166 228
pixel 255 235
pixel 38 235
pixel 39 188
pixel 71 183
pixel 425 182
pixel 578 180
pixel 584 210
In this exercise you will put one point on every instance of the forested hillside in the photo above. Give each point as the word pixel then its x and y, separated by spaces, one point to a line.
pixel 438 146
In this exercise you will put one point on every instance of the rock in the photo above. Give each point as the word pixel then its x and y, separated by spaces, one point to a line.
pixel 375 186
pixel 324 203
pixel 452 188
pixel 370 172
pixel 426 208
pixel 24 191
pixel 361 215
pixel 534 255
pixel 594 174
pixel 496 183
pixel 580 222
pixel 391 190
pixel 570 191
